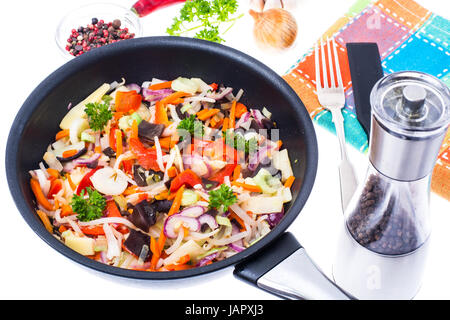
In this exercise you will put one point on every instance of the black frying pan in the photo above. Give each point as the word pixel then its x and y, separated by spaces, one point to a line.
pixel 138 60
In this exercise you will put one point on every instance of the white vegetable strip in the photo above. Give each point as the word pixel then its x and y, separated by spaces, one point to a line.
pixel 233 238
pixel 159 154
pixel 43 181
pixel 44 170
pixel 124 156
pixel 242 214
pixel 200 236
pixel 173 113
pixel 169 164
pixel 176 243
pixel 118 220
pixel 75 227
pixel 113 247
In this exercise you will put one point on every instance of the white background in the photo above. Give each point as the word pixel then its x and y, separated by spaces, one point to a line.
pixel 30 269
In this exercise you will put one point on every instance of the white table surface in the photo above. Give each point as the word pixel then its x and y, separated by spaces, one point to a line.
pixel 30 269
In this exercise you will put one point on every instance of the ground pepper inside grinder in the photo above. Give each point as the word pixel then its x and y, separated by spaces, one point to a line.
pixel 383 247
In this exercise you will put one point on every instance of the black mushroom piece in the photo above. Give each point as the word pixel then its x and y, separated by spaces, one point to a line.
pixel 139 176
pixel 109 152
pixel 143 216
pixel 181 115
pixel 135 241
pixel 162 205
pixel 78 154
pixel 148 131
pixel 209 184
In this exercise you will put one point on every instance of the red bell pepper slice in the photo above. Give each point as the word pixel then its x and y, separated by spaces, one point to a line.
pixel 146 157
pixel 225 172
pixel 186 177
pixel 86 181
pixel 55 187
pixel 128 101
pixel 112 210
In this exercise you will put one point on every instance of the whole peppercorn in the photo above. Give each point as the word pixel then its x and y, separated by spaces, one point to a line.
pixel 116 24
pixel 94 35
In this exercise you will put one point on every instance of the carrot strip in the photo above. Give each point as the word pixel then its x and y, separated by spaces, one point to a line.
pixel 167 142
pixel 247 187
pixel 237 172
pixel 66 210
pixel 134 130
pixel 69 153
pixel 45 220
pixel 40 197
pixel 53 173
pixel 225 124
pixel 119 147
pixel 289 181
pixel 174 96
pixel 176 204
pixel 72 185
pixel 161 114
pixel 279 144
pixel 162 196
pixel 61 134
pixel 208 114
pixel 238 219
pixel 172 172
pixel 177 201
pixel 184 259
pixel 162 85
pixel 233 115
pixel 240 109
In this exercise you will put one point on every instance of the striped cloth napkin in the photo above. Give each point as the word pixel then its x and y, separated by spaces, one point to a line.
pixel 409 37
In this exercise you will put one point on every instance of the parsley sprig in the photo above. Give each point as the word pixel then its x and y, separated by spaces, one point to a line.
pixel 222 198
pixel 90 208
pixel 98 114
pixel 205 14
pixel 190 125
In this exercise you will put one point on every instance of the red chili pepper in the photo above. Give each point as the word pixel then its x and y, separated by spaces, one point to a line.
pixel 225 172
pixel 86 181
pixel 186 177
pixel 145 7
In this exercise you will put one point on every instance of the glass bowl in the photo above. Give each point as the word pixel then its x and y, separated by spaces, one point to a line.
pixel 82 16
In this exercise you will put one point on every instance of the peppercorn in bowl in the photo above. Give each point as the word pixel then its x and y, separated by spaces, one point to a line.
pixel 93 26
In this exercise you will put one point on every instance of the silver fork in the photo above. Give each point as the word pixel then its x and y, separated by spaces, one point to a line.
pixel 333 98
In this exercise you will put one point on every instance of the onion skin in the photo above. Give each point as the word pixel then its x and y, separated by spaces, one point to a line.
pixel 274 28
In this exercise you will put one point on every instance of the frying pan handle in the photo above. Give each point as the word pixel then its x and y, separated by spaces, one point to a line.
pixel 285 269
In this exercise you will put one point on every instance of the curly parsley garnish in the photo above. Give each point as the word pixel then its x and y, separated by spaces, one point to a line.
pixel 98 114
pixel 205 14
pixel 222 198
pixel 192 126
pixel 90 208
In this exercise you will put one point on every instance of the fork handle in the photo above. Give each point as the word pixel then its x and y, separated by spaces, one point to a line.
pixel 347 175
pixel 338 121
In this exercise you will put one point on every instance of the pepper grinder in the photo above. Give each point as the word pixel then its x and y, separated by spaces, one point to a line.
pixel 384 243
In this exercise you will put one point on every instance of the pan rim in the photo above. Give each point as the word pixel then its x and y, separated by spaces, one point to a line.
pixel 59 75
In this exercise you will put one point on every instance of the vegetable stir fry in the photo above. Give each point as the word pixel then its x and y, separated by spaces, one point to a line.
pixel 165 176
